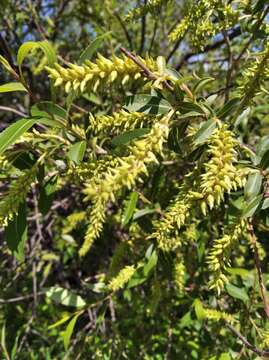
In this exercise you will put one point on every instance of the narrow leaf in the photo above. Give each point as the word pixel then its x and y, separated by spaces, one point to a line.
pixel 93 47
pixel 147 104
pixel 237 293
pixel 69 331
pixel 205 132
pixel 77 151
pixel 12 86
pixel 129 208
pixel 13 132
pixel 65 297
pixel 253 206
pixel 129 136
pixel 253 185
pixel 16 233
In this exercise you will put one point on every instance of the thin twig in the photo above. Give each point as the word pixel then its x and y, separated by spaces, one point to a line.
pixel 149 74
pixel 258 267
pixel 15 111
pixel 143 30
pixel 264 353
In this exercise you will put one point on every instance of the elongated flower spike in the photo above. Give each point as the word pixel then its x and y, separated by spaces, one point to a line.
pixel 219 256
pixel 89 76
pixel 119 122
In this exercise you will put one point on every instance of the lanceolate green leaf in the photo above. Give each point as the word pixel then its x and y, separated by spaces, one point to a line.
pixel 12 86
pixel 205 132
pixel 129 208
pixel 16 233
pixel 253 185
pixel 29 46
pixel 129 136
pixel 148 104
pixel 65 297
pixel 69 330
pixel 93 47
pixel 76 151
pixel 14 131
pixel 237 293
pixel 251 207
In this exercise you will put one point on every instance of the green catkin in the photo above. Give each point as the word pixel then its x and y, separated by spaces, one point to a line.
pixel 152 6
pixel 179 274
pixel 120 280
pixel 199 21
pixel 89 76
pixel 117 258
pixel 101 191
pixel 11 201
pixel 218 259
pixel 118 122
pixel 167 229
pixel 217 315
pixel 73 220
pixel 254 76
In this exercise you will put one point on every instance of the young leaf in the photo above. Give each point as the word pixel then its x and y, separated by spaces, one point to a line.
pixel 69 330
pixel 237 293
pixel 47 195
pixel 77 151
pixel 253 206
pixel 51 108
pixel 147 104
pixel 129 208
pixel 253 185
pixel 16 233
pixel 199 309
pixel 29 46
pixel 14 131
pixel 60 322
pixel 65 297
pixel 205 132
pixel 129 136
pixel 12 86
pixel 228 108
pixel 152 262
pixel 93 47
pixel 201 84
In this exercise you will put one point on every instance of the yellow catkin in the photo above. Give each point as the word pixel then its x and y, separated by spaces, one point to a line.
pixel 89 76
pixel 119 281
pixel 219 256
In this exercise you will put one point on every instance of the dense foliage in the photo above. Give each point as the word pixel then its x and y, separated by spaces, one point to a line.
pixel 134 154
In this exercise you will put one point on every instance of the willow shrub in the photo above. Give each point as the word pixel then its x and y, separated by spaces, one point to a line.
pixel 170 172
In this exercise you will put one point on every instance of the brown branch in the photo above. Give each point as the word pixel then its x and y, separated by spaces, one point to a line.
pixel 258 267
pixel 264 353
pixel 236 32
pixel 148 73
pixel 143 30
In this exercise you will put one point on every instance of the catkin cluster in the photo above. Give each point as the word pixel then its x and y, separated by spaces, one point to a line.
pixel 89 76
pixel 200 24
pixel 152 6
pixel 102 190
